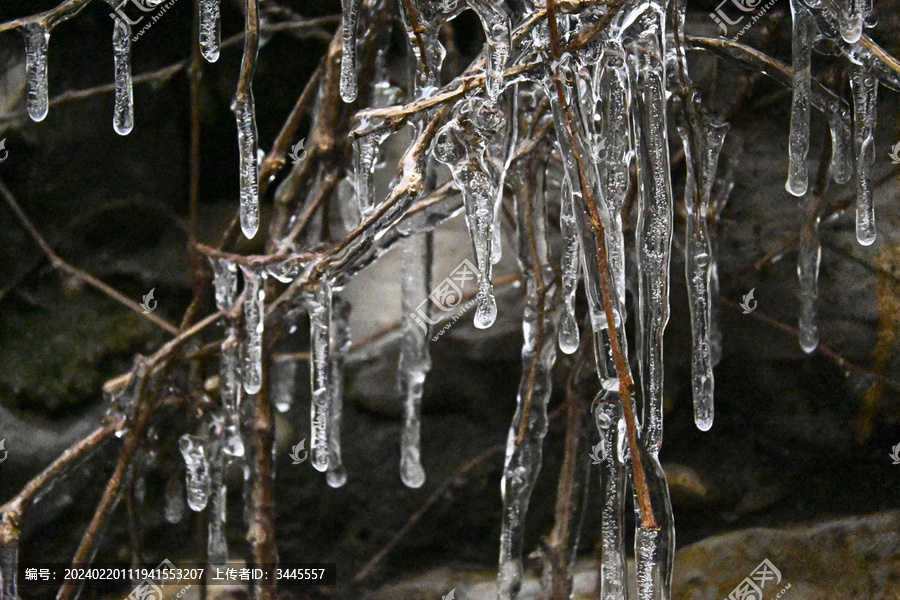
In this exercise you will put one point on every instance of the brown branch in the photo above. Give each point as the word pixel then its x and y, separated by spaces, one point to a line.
pixel 79 274
pixel 626 383
pixel 261 530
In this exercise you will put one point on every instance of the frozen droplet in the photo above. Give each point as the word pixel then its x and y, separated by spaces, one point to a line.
pixel 123 117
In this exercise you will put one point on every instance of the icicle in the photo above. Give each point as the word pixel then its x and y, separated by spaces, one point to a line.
pixel 865 94
pixel 702 141
pixel 457 145
pixel 613 572
pixel 230 390
pixel 654 549
pixel 654 228
pixel 225 281
pixel 194 452
pixel 217 544
pixel 415 361
pixel 37 39
pixel 850 18
pixel 808 274
pixel 841 166
pixel 349 20
pixel 340 345
pixel 320 368
pixel 283 375
pixel 245 113
pixel 571 263
pixel 174 499
pixel 254 317
pixel 123 118
pixel 529 424
pixel 209 29
pixel 497 33
pixel 365 154
pixel 802 39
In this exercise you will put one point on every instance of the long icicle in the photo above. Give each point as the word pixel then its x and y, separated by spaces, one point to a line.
pixel 802 39
pixel 349 20
pixel 613 579
pixel 37 39
pixel 123 116
pixel 415 361
pixel 529 424
pixel 254 319
pixel 320 321
pixel 654 548
pixel 808 274
pixel 571 268
pixel 245 113
pixel 336 474
pixel 210 29
pixel 865 95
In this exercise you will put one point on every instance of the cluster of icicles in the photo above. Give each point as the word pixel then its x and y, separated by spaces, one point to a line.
pixel 617 88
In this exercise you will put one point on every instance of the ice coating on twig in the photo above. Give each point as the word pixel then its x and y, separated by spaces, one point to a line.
pixel 340 346
pixel 415 361
pixel 123 116
pixel 570 268
pixel 245 113
pixel 529 425
pixel 254 318
pixel 320 369
pixel 808 260
pixel 210 29
pixel 193 451
pixel 802 41
pixel 225 281
pixel 865 95
pixel 366 148
pixel 37 39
